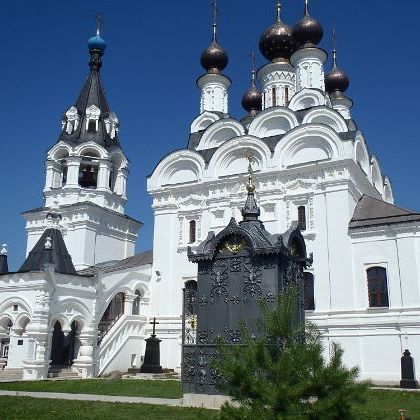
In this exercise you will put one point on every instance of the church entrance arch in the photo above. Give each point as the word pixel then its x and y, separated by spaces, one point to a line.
pixel 63 346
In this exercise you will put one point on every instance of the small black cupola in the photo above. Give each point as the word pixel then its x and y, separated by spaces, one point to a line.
pixel 252 100
pixel 4 267
pixel 214 59
pixel 336 81
pixel 308 32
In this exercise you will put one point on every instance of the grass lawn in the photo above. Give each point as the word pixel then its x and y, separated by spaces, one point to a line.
pixel 32 408
pixel 384 405
pixel 381 405
pixel 127 387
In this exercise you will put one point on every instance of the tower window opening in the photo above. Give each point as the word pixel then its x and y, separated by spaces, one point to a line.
pixel 92 126
pixel 377 287
pixel 112 179
pixel 302 218
pixel 88 174
pixel 193 229
pixel 136 303
pixel 286 95
pixel 63 173
pixel 274 95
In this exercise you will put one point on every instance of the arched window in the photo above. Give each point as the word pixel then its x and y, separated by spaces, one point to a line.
pixel 302 218
pixel 191 297
pixel 111 315
pixel 88 172
pixel 136 304
pixel 193 226
pixel 309 291
pixel 274 95
pixel 377 287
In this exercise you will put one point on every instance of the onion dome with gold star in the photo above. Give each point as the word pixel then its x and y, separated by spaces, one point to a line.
pixel 276 43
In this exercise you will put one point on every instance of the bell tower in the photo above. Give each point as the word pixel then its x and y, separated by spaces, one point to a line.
pixel 86 175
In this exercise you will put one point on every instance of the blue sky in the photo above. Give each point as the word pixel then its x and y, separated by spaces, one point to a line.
pixel 150 68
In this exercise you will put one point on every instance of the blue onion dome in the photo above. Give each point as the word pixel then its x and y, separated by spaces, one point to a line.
pixel 276 43
pixel 336 81
pixel 214 59
pixel 308 32
pixel 97 43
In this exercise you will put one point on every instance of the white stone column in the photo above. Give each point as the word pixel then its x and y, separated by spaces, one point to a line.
pixel 53 175
pixel 128 304
pixel 309 64
pixel 104 174
pixel 84 364
pixel 214 95
pixel 73 166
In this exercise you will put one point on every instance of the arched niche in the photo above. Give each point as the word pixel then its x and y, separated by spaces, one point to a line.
pixel 91 149
pixel 327 116
pixel 308 144
pixel 307 98
pixel 361 156
pixel 377 180
pixel 203 121
pixel 229 159
pixel 273 122
pixel 179 167
pixel 220 132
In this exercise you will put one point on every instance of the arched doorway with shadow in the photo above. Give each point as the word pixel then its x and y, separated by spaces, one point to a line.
pixel 63 346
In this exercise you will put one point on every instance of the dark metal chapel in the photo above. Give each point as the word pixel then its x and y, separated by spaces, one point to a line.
pixel 240 266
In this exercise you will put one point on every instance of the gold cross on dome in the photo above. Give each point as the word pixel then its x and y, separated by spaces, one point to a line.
pixel 249 156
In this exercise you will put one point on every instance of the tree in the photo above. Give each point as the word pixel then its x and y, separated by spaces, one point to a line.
pixel 283 374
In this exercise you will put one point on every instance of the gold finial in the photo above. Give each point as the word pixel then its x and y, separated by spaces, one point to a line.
pixel 249 156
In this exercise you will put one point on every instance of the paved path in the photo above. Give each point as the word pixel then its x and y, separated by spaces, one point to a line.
pixel 89 397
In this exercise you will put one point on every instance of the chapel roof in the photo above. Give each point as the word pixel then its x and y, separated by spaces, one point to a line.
pixel 49 250
pixel 371 211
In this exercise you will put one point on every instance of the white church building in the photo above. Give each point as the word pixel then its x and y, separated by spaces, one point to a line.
pixel 82 300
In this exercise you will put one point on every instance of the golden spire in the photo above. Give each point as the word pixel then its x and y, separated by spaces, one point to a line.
pixel 250 158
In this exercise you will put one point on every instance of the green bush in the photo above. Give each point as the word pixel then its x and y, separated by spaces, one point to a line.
pixel 283 373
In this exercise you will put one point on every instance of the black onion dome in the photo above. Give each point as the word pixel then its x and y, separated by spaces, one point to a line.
pixel 277 42
pixel 308 31
pixel 252 100
pixel 214 59
pixel 336 80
